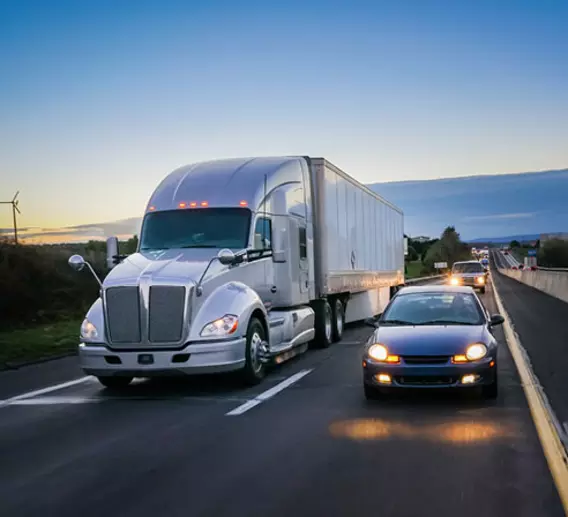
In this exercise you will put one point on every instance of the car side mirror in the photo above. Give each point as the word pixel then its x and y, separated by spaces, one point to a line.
pixel 496 319
pixel 373 322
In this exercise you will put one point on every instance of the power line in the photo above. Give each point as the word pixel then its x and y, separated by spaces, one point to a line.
pixel 15 209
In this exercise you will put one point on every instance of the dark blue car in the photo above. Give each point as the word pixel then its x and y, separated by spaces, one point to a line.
pixel 434 336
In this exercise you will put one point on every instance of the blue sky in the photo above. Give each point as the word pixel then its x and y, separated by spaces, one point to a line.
pixel 100 99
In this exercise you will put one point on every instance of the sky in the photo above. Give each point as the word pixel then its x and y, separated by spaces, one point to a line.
pixel 100 99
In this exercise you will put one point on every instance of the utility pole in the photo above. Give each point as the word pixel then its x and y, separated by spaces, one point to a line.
pixel 15 209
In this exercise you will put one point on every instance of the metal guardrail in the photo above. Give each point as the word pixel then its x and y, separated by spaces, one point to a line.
pixel 552 268
pixel 423 279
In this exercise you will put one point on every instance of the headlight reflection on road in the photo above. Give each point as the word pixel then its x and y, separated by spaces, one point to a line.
pixel 466 433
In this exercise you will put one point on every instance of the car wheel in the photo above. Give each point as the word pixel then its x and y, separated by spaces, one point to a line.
pixel 482 290
pixel 115 382
pixel 254 370
pixel 338 320
pixel 371 393
pixel 490 391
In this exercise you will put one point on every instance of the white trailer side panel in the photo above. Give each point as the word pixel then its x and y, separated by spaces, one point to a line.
pixel 358 235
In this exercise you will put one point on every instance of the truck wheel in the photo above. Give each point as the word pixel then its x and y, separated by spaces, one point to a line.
pixel 338 319
pixel 254 370
pixel 324 324
pixel 114 382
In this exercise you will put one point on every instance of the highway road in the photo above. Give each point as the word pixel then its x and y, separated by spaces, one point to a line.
pixel 316 447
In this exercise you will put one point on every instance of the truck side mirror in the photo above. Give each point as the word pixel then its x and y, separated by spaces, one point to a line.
pixel 78 263
pixel 226 257
pixel 112 252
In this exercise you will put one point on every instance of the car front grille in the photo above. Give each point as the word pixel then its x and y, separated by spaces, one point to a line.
pixel 425 380
pixel 425 359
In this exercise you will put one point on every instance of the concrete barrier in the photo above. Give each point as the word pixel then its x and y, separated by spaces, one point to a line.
pixel 423 279
pixel 552 282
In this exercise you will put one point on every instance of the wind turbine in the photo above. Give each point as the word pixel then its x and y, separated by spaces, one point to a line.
pixel 15 209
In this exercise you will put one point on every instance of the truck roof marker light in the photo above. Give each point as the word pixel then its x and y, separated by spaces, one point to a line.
pixel 205 203
pixel 243 203
pixel 193 204
pixel 151 208
pixel 182 205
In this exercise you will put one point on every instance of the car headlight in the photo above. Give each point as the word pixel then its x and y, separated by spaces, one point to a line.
pixel 480 280
pixel 221 327
pixel 476 352
pixel 88 330
pixel 454 281
pixel 378 352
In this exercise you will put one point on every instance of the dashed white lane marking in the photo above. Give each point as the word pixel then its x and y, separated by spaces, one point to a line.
pixel 49 389
pixel 49 401
pixel 268 393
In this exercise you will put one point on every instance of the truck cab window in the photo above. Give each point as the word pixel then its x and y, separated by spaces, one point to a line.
pixel 263 234
pixel 303 244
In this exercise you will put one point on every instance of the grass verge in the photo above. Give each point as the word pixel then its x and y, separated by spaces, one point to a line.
pixel 414 269
pixel 41 342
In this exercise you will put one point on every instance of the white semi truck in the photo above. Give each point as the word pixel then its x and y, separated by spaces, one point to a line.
pixel 242 263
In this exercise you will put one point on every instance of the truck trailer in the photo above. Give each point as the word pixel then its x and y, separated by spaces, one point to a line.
pixel 242 263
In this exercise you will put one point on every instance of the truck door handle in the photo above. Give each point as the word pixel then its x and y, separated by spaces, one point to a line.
pixel 273 289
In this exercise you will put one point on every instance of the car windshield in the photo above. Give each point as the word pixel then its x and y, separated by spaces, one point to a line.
pixel 468 267
pixel 196 228
pixel 433 308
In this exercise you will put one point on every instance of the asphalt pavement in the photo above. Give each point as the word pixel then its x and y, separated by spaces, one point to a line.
pixel 314 447
pixel 541 322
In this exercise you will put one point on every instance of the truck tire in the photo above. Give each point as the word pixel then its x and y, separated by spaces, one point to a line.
pixel 324 324
pixel 115 382
pixel 338 319
pixel 254 370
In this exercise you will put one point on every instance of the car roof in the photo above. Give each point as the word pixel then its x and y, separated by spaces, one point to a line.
pixel 440 288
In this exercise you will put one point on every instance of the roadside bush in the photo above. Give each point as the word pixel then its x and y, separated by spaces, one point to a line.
pixel 553 253
pixel 38 286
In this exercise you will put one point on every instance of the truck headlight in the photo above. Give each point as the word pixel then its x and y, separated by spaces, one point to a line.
pixel 221 327
pixel 454 281
pixel 480 280
pixel 476 351
pixel 88 330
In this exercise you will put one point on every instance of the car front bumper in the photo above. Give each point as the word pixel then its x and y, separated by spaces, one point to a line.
pixel 193 359
pixel 430 376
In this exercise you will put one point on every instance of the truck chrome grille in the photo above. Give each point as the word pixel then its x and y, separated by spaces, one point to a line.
pixel 167 304
pixel 123 313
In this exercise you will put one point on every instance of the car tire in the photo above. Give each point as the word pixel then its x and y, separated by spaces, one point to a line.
pixel 491 391
pixel 254 370
pixel 324 324
pixel 115 382
pixel 482 290
pixel 338 319
pixel 371 393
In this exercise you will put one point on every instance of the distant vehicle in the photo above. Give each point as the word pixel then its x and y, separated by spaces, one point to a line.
pixel 242 263
pixel 469 273
pixel 485 262
pixel 432 336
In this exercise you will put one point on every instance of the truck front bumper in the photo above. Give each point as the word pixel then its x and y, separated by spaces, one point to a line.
pixel 211 357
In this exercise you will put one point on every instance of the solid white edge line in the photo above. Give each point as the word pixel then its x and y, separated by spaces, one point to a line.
pixel 541 412
pixel 43 391
pixel 264 396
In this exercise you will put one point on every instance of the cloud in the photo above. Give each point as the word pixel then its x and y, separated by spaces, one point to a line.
pixel 123 228
pixel 519 215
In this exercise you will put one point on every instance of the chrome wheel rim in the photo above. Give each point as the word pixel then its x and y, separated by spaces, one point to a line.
pixel 328 323
pixel 339 319
pixel 255 350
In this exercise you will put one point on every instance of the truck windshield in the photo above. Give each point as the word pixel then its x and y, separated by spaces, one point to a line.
pixel 196 228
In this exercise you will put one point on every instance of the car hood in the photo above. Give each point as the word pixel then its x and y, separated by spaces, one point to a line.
pixel 429 340
pixel 176 266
